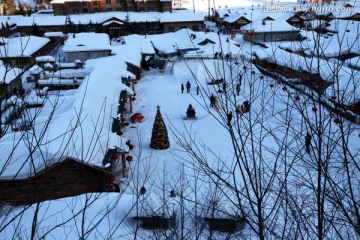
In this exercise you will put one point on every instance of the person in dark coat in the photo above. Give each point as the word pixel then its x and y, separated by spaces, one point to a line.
pixel 197 90
pixel 224 87
pixel 216 54
pixel 240 78
pixel 182 88
pixel 238 88
pixel 188 86
pixel 307 142
pixel 229 117
pixel 212 100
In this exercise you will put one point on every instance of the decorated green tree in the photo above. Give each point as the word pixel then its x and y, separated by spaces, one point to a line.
pixel 159 137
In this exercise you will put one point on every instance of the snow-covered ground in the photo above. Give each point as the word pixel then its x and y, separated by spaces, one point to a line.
pixel 270 139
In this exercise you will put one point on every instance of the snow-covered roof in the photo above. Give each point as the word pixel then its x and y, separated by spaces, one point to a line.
pixel 113 21
pixel 181 16
pixel 7 74
pixel 10 19
pixel 54 34
pixel 46 58
pixel 23 46
pixel 270 26
pixel 81 42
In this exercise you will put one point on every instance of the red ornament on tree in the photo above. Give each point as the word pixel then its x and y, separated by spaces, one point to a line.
pixel 123 119
pixel 135 82
pixel 261 77
pixel 116 156
pixel 120 133
pixel 15 129
pixel 125 100
pixel 314 109
pixel 244 67
pixel 124 109
pixel 129 158
pixel 129 84
pixel 133 99
pixel 271 85
pixel 134 94
pixel 302 80
pixel 131 147
pixel 336 121
pixel 252 72
pixel 333 97
pixel 112 178
pixel 236 62
pixel 284 88
pixel 297 98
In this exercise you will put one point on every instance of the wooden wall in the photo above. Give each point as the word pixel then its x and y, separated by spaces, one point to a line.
pixel 64 179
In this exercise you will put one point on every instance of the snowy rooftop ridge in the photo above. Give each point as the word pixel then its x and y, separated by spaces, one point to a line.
pixel 87 42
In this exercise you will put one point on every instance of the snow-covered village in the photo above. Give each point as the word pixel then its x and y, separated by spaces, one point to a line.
pixel 180 119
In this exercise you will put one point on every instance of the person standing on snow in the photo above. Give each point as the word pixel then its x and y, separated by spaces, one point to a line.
pixel 238 88
pixel 308 142
pixel 229 117
pixel 212 100
pixel 188 86
pixel 197 89
pixel 182 88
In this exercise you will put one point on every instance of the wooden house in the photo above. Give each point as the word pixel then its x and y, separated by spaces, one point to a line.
pixel 22 51
pixel 66 7
pixel 10 80
pixel 270 31
pixel 65 178
pixel 84 46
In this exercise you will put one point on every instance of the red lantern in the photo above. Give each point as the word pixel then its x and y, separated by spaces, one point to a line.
pixel 284 88
pixel 123 119
pixel 134 94
pixel 336 121
pixel 271 85
pixel 333 97
pixel 142 190
pixel 297 98
pixel 129 158
pixel 133 99
pixel 128 84
pixel 120 133
pixel 252 72
pixel 116 156
pixel 15 129
pixel 131 147
pixel 135 82
pixel 112 178
pixel 261 77
pixel 314 109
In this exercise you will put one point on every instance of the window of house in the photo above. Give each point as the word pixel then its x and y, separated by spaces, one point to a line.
pixel 119 1
pixel 96 3
pixel 75 10
pixel 195 28
pixel 95 9
pixel 142 9
pixel 108 9
pixel 118 9
pixel 107 1
pixel 85 10
pixel 171 29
